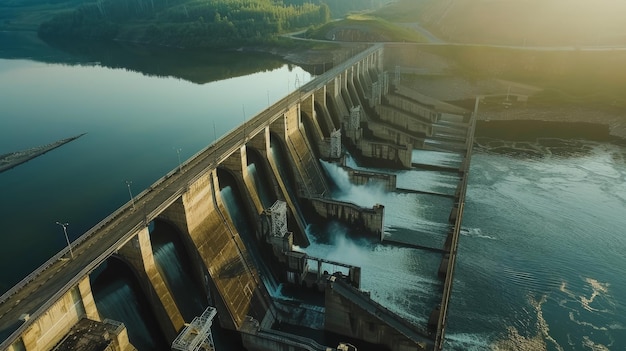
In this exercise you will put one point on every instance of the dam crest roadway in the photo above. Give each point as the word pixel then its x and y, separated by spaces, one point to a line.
pixel 358 108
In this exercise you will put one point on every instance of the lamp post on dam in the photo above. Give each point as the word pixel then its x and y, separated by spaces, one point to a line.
pixel 64 225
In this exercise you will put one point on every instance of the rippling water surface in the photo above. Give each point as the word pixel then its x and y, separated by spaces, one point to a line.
pixel 541 259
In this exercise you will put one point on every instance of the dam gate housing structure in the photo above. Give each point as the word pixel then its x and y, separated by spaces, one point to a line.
pixel 359 106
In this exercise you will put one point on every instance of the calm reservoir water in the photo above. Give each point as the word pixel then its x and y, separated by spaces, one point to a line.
pixel 135 123
pixel 540 260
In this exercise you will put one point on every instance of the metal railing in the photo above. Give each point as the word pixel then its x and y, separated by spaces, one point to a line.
pixel 447 286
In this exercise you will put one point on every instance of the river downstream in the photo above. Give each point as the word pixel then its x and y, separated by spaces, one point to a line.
pixel 541 259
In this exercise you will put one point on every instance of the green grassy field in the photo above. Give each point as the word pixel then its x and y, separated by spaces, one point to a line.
pixel 365 27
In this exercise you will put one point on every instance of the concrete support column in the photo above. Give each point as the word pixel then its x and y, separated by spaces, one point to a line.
pixel 307 106
pixel 292 120
pixel 249 183
pixel 278 127
pixel 138 252
pixel 89 304
pixel 237 161
pixel 49 328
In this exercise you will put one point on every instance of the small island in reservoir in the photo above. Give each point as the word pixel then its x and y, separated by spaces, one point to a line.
pixel 12 159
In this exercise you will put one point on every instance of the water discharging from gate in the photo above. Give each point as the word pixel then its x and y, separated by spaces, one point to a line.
pixel 176 270
pixel 402 279
pixel 118 297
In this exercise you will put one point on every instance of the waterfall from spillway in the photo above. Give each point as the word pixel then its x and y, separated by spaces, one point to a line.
pixel 421 217
pixel 277 153
pixel 402 279
pixel 118 297
pixel 188 296
pixel 261 186
pixel 237 213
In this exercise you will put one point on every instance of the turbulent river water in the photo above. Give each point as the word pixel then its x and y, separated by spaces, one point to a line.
pixel 541 255
pixel 541 260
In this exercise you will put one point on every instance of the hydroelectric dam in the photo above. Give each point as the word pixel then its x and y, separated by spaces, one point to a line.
pixel 242 215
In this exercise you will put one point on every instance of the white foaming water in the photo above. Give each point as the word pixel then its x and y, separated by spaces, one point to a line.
pixel 414 179
pixel 476 233
pixel 436 158
pixel 417 212
pixel 402 279
pixel 468 342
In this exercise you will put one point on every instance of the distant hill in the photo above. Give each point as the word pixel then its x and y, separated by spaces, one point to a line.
pixel 525 22
pixel 193 23
pixel 183 23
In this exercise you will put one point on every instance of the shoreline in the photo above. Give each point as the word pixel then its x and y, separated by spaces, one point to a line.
pixel 528 129
pixel 614 124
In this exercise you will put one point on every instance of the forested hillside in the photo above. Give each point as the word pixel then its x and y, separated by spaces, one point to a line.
pixel 184 23
pixel 193 23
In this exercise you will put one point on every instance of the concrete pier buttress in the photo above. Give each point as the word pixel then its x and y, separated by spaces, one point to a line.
pixel 290 199
pixel 320 102
pixel 214 238
pixel 249 182
pixel 261 144
pixel 47 330
pixel 307 107
pixel 309 175
pixel 138 252
pixel 335 87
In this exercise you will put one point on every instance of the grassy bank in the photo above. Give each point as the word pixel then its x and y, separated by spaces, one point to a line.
pixel 364 28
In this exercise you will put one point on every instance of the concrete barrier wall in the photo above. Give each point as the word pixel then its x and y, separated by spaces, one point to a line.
pixel 403 120
pixel 369 219
pixel 360 177
pixel 400 154
pixel 412 106
pixel 56 322
pixel 273 340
